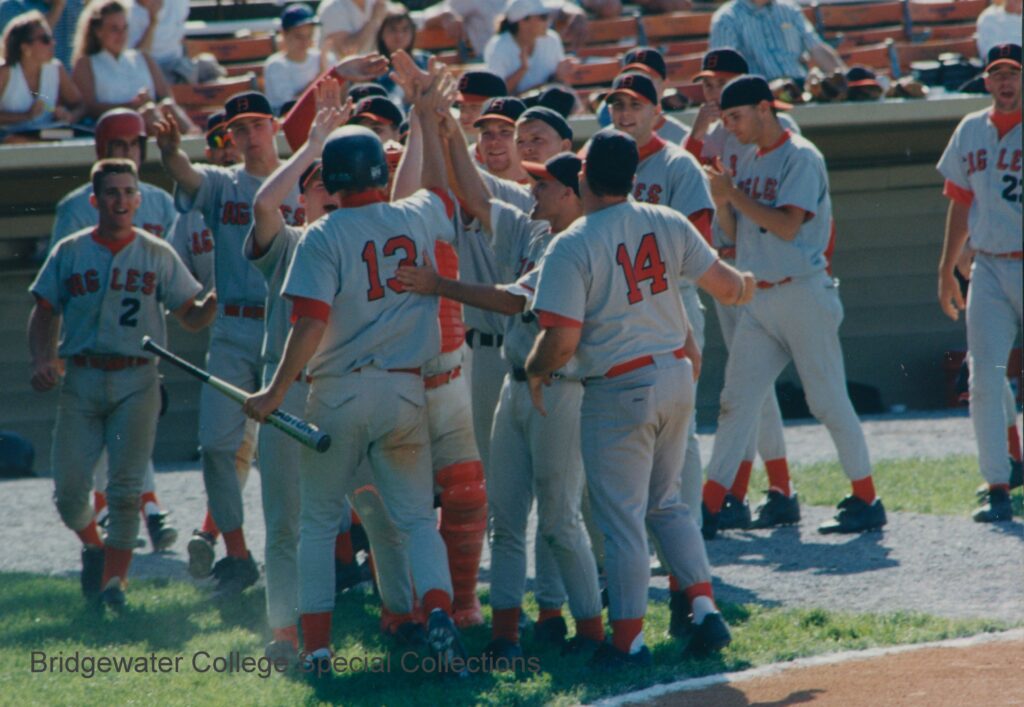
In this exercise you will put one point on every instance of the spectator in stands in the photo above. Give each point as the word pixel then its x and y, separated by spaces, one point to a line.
pixel 35 89
pixel 999 23
pixel 773 35
pixel 50 9
pixel 110 75
pixel 398 32
pixel 351 26
pixel 157 27
pixel 287 73
pixel 526 52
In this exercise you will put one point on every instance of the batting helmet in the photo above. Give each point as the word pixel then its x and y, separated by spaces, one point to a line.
pixel 354 159
pixel 119 123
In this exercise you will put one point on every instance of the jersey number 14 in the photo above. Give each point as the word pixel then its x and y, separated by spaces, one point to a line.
pixel 645 265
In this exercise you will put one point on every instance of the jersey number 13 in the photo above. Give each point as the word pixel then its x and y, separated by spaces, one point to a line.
pixel 398 243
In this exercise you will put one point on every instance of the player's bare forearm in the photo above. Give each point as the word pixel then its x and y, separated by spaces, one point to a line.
pixel 490 297
pixel 275 190
pixel 727 284
pixel 552 350
pixel 198 314
pixel 408 176
pixel 469 186
pixel 179 167
pixel 43 325
pixel 302 343
pixel 783 222
pixel 428 109
pixel 950 297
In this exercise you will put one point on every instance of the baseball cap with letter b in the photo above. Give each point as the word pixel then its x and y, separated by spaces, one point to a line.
pixel 248 104
pixel 1003 55
pixel 723 62
pixel 611 161
pixel 636 85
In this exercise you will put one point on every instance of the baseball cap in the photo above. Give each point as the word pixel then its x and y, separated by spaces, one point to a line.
pixel 296 15
pixel 563 168
pixel 552 118
pixel 611 160
pixel 749 91
pixel 379 110
pixel 364 90
pixel 1000 54
pixel 558 99
pixel 861 76
pixel 504 108
pixel 311 172
pixel 216 130
pixel 517 10
pixel 647 60
pixel 478 86
pixel 248 104
pixel 637 85
pixel 723 62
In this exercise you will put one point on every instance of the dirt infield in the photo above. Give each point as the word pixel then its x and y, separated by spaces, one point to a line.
pixel 954 675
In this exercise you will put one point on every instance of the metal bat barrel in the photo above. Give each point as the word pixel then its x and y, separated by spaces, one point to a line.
pixel 295 427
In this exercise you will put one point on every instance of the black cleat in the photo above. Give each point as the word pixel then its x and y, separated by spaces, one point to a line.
pixel 113 596
pixel 234 575
pixel 608 657
pixel 996 509
pixel 281 653
pixel 1016 480
pixel 92 572
pixel 161 534
pixel 411 634
pixel 855 516
pixel 317 666
pixel 349 575
pixel 709 522
pixel 735 514
pixel 503 649
pixel 709 636
pixel 777 509
pixel 581 645
pixel 550 631
pixel 445 644
pixel 200 554
pixel 679 624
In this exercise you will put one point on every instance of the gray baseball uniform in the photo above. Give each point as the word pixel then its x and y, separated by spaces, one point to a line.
pixel 535 457
pixel 109 298
pixel 193 242
pixel 225 201
pixel 985 171
pixel 615 273
pixel 671 130
pixel 795 315
pixel 367 391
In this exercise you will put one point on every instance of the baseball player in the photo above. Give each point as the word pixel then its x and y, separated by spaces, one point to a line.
pixel 363 340
pixel 381 115
pixel 105 288
pixel 982 166
pixel 710 140
pixel 475 89
pixel 122 133
pixel 224 196
pixel 651 63
pixel 504 126
pixel 609 293
pixel 777 211
pixel 533 456
pixel 270 246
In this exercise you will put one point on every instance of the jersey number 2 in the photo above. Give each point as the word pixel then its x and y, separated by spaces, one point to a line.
pixel 391 246
pixel 647 265
pixel 129 317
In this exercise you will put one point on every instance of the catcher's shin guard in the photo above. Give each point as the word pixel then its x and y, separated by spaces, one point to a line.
pixel 463 526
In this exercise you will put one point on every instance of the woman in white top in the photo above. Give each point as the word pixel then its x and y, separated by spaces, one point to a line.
pixel 999 23
pixel 525 52
pixel 287 73
pixel 111 75
pixel 351 26
pixel 35 90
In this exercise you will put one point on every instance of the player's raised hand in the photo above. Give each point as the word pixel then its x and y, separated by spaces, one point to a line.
pixel 329 114
pixel 168 133
pixel 364 67
pixel 950 299
pixel 537 385
pixel 423 280
pixel 259 405
pixel 409 77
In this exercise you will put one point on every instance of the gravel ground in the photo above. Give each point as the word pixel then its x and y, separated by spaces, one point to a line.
pixel 942 565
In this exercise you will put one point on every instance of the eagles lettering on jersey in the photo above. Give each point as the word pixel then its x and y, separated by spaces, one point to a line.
pixel 239 213
pixel 765 192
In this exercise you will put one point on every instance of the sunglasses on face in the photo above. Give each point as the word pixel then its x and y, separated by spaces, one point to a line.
pixel 219 141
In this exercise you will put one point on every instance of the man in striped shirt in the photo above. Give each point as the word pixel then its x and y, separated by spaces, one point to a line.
pixel 773 36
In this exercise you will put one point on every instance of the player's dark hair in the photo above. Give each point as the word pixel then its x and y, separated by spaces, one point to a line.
pixel 113 165
pixel 606 188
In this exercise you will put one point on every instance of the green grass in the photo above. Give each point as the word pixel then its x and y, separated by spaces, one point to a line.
pixel 176 619
pixel 942 486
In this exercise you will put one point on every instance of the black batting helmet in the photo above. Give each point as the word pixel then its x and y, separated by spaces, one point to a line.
pixel 354 160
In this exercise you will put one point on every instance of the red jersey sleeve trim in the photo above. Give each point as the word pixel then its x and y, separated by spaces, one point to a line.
pixel 43 302
pixel 701 220
pixel 449 205
pixel 695 147
pixel 550 320
pixel 952 190
pixel 308 307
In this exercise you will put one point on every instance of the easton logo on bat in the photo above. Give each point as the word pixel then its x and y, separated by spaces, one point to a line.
pixel 297 422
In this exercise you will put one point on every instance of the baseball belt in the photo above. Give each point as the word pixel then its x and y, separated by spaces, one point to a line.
pixel 474 338
pixel 109 363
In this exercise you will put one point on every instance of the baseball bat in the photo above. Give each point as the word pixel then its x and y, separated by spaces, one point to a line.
pixel 295 427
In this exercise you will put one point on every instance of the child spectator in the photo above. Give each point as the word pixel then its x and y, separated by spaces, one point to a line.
pixel 35 89
pixel 526 52
pixel 351 26
pixel 287 73
pixel 111 75
pixel 999 23
pixel 398 32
